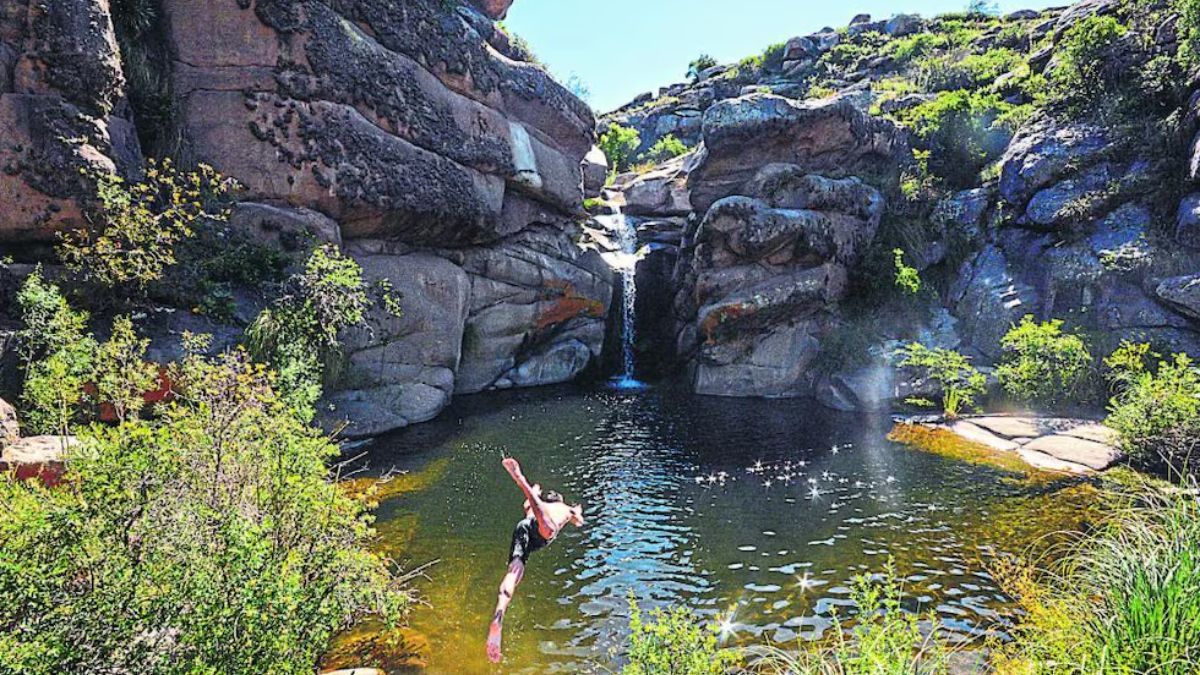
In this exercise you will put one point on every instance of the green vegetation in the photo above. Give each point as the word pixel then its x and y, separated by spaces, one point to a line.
pixel 1126 599
pixel 1156 411
pixel 619 143
pixel 138 225
pixel 1044 365
pixel 298 335
pixel 1086 68
pixel 1189 29
pixel 699 65
pixel 908 279
pixel 674 642
pixel 959 380
pixel 962 131
pixel 667 147
pixel 208 540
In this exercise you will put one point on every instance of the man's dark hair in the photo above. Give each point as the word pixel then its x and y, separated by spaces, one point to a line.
pixel 551 497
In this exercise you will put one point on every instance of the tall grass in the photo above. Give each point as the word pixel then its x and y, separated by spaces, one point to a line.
pixel 1126 599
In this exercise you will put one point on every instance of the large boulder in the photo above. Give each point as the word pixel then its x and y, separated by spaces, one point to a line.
pixel 59 119
pixel 830 137
pixel 1182 294
pixel 661 192
pixel 1041 153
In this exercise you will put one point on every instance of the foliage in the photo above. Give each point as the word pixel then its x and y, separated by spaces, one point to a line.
pixel 58 356
pixel 908 279
pixel 578 88
pixel 1189 29
pixel 962 130
pixel 298 335
pixel 208 541
pixel 121 377
pixel 1085 60
pixel 673 642
pixel 136 226
pixel 1156 412
pixel 885 640
pixel 973 71
pixel 1044 365
pixel 667 147
pixel 1124 600
pixel 699 65
pixel 960 381
pixel 619 143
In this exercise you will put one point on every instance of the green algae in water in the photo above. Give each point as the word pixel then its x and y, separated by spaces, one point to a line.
pixel 759 510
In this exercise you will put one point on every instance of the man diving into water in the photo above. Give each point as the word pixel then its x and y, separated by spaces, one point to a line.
pixel 545 516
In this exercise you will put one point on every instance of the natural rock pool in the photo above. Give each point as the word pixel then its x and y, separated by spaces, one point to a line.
pixel 680 512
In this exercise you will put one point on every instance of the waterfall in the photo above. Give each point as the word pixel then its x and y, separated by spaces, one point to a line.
pixel 624 261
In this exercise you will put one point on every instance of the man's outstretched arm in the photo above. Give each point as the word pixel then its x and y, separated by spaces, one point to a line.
pixel 535 502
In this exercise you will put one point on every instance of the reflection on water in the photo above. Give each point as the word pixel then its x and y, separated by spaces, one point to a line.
pixel 759 510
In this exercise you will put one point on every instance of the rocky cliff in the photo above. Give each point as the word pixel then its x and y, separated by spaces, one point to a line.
pixel 1025 195
pixel 412 134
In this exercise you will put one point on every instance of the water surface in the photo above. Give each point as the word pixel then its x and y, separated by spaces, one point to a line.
pixel 754 512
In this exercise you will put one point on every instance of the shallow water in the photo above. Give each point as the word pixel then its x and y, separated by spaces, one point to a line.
pixel 679 513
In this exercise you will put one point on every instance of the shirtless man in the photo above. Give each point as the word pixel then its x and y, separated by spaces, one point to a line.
pixel 545 516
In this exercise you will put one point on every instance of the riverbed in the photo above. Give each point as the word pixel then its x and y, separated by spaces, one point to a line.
pixel 755 513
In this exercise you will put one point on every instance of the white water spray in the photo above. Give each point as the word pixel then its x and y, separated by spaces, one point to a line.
pixel 624 261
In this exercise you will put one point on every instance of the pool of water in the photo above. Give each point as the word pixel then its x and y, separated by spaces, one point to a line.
pixel 756 512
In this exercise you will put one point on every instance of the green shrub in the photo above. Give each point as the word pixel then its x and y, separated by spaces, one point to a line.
pixel 1189 29
pixel 674 642
pixel 619 143
pixel 298 335
pixel 699 65
pixel 908 279
pixel 959 380
pixel 973 71
pixel 138 225
pixel 667 147
pixel 1123 600
pixel 121 376
pixel 210 540
pixel 884 640
pixel 1044 365
pixel 1156 412
pixel 962 131
pixel 1086 69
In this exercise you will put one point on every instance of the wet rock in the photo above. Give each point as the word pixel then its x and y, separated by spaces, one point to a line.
pixel 1050 444
pixel 1093 455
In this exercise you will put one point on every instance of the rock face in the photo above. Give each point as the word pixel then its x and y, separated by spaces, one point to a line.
pixel 410 133
pixel 61 90
pixel 770 259
pixel 1049 444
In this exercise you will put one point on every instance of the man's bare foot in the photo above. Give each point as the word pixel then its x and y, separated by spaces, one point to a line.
pixel 493 644
pixel 512 466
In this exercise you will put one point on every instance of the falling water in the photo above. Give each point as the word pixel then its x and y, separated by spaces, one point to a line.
pixel 625 262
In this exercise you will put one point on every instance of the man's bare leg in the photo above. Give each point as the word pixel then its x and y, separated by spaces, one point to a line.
pixel 516 572
pixel 535 502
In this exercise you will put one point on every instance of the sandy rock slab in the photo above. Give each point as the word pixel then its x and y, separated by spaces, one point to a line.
pixel 1051 444
pixel 37 457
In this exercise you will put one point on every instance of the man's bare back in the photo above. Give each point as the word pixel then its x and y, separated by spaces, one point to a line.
pixel 545 517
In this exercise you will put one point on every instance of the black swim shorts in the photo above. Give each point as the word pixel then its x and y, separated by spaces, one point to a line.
pixel 526 540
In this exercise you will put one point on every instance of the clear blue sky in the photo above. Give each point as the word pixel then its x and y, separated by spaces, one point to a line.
pixel 621 48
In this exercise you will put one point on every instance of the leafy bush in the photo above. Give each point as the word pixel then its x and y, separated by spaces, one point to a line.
pixel 667 147
pixel 884 640
pixel 674 642
pixel 208 541
pixel 136 226
pixel 1086 68
pixel 1042 364
pixel 619 143
pixel 962 131
pixel 1124 600
pixel 908 279
pixel 699 65
pixel 973 71
pixel 1156 412
pixel 298 335
pixel 1189 29
pixel 960 381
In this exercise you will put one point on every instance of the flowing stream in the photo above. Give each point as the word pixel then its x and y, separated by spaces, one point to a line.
pixel 754 513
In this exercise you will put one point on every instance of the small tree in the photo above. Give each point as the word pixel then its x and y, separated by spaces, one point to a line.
pixel 121 375
pixel 959 380
pixel 1041 364
pixel 699 65
pixel 619 143
pixel 674 642
pixel 298 335
pixel 908 279
pixel 136 226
